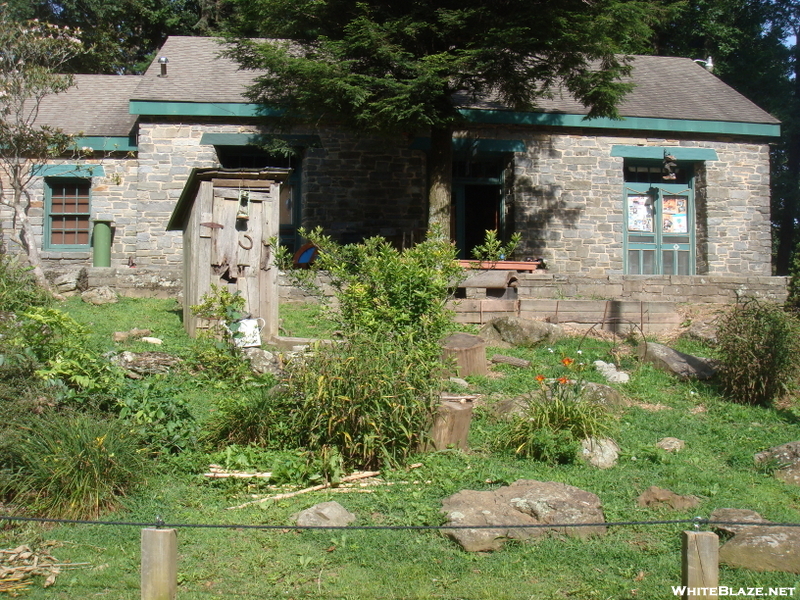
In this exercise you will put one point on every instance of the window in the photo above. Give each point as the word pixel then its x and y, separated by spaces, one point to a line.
pixel 68 209
pixel 659 221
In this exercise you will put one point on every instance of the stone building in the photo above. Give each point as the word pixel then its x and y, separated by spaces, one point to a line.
pixel 589 196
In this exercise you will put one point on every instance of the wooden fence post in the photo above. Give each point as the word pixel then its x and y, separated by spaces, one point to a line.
pixel 700 561
pixel 159 564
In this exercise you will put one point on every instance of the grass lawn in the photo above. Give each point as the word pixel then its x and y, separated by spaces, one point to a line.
pixel 235 561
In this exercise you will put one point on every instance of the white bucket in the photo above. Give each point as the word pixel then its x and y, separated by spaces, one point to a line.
pixel 249 333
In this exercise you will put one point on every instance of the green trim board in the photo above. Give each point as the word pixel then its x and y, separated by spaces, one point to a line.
pixel 107 143
pixel 200 109
pixel 474 146
pixel 658 152
pixel 73 170
pixel 255 139
pixel 508 117
pixel 244 109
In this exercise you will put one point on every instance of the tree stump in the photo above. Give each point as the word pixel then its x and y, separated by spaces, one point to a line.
pixel 451 425
pixel 469 352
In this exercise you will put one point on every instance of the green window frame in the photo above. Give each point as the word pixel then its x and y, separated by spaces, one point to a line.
pixel 68 208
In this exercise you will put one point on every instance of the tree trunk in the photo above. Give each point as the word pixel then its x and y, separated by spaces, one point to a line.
pixel 32 249
pixel 788 222
pixel 440 179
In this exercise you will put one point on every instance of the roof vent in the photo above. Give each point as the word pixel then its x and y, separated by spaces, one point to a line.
pixel 163 60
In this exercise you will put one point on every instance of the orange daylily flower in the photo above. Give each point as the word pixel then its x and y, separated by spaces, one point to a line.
pixel 539 378
pixel 563 380
pixel 567 361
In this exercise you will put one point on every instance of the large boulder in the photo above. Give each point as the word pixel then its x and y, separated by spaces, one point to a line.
pixel 730 517
pixel 520 332
pixel 100 295
pixel 524 502
pixel 761 548
pixel 681 364
pixel 784 459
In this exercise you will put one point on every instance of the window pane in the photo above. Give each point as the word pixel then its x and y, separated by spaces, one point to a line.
pixel 633 262
pixel 648 262
pixel 674 219
pixel 683 263
pixel 640 213
pixel 668 256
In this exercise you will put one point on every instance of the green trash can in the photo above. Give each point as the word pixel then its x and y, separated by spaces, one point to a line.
pixel 101 243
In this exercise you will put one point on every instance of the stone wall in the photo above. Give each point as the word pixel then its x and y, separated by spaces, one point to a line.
pixel 565 196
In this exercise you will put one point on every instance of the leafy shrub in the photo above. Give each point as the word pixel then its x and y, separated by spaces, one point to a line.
pixel 73 466
pixel 215 355
pixel 758 347
pixel 493 249
pixel 555 419
pixel 55 348
pixel 158 414
pixel 18 288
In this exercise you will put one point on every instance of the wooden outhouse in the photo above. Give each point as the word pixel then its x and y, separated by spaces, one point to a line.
pixel 230 220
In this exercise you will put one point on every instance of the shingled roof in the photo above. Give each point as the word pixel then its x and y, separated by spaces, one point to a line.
pixel 666 87
pixel 97 105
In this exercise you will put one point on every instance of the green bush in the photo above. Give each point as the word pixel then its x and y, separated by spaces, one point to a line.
pixel 18 288
pixel 372 397
pixel 159 415
pixel 72 466
pixel 52 346
pixel 758 347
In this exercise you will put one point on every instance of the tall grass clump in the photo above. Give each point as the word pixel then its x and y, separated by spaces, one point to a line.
pixel 72 466
pixel 554 419
pixel 758 347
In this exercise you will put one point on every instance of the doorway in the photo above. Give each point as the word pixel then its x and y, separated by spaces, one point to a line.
pixel 478 203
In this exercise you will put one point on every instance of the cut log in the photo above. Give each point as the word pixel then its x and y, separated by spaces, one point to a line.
pixel 451 425
pixel 510 360
pixel 469 352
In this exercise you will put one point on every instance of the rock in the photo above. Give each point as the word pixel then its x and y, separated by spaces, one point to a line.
pixel 656 497
pixel 524 502
pixel 153 340
pixel 785 459
pixel 520 332
pixel 602 394
pixel 262 361
pixel 670 444
pixel 600 452
pixel 124 336
pixel 66 283
pixel 459 382
pixel 609 371
pixel 100 295
pixel 761 548
pixel 146 363
pixel 683 365
pixel 735 515
pixel 331 514
pixel 703 331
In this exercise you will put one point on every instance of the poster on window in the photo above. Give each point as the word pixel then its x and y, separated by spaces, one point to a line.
pixel 675 219
pixel 640 213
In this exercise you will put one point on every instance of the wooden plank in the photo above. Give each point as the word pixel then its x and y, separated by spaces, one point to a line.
pixel 225 240
pixel 268 277
pixel 699 561
pixel 242 183
pixel 485 305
